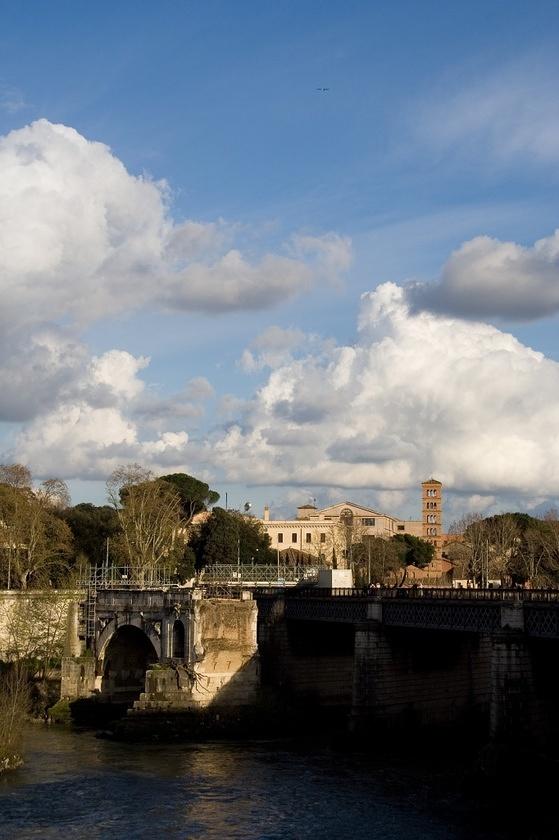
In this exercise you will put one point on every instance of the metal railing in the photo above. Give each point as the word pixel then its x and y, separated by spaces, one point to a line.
pixel 430 593
pixel 254 574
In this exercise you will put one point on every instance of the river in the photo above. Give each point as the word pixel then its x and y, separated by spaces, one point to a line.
pixel 75 785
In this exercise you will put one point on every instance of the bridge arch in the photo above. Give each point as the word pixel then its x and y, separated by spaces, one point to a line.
pixel 126 657
pixel 109 630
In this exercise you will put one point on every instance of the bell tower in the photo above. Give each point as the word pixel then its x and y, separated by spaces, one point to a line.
pixel 432 513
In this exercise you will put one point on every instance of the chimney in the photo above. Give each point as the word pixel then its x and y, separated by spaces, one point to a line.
pixel 266 513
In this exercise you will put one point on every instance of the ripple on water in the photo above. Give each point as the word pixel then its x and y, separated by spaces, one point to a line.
pixel 74 785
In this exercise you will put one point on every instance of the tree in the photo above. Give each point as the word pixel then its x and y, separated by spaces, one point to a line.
pixel 377 560
pixel 150 517
pixel 415 551
pixel 511 545
pixel 474 532
pixel 16 475
pixel 93 528
pixel 540 552
pixel 34 628
pixel 36 543
pixel 503 535
pixel 195 495
pixel 460 556
pixel 228 536
pixel 345 535
pixel 14 704
pixel 529 562
pixel 55 492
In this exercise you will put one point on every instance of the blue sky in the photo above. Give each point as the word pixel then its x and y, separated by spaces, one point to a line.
pixel 439 126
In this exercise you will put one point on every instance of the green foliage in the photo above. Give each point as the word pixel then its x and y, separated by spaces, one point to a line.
pixel 195 495
pixel 60 713
pixel 185 565
pixel 227 535
pixel 415 551
pixel 91 526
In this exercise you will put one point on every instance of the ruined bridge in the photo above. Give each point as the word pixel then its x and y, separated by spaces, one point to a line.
pixel 162 646
pixel 391 658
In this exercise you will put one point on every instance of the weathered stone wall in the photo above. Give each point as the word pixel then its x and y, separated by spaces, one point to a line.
pixel 223 666
pixel 226 652
pixel 78 677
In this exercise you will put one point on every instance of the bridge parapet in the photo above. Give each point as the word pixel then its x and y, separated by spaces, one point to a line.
pixel 535 612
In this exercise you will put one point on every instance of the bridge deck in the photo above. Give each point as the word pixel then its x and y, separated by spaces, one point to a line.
pixel 475 610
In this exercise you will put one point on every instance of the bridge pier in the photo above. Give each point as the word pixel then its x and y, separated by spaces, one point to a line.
pixel 405 680
pixel 514 711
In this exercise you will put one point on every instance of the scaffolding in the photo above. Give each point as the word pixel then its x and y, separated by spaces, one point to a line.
pixel 127 577
pixel 258 575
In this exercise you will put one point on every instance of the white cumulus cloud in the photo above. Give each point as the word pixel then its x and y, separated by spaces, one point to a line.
pixel 487 278
pixel 82 238
pixel 96 424
pixel 418 394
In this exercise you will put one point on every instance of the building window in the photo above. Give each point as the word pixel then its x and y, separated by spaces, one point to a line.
pixel 368 521
pixel 323 538
pixel 294 537
pixel 307 537
pixel 401 527
pixel 280 538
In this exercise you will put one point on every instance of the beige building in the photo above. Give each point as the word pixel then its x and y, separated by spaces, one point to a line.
pixel 317 532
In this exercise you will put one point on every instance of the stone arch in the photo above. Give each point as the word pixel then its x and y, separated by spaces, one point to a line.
pixel 126 657
pixel 108 631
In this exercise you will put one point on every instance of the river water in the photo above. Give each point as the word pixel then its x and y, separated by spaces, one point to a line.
pixel 75 785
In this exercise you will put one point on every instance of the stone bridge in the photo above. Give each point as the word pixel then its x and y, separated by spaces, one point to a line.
pixel 407 657
pixel 393 658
